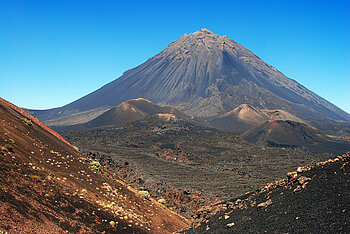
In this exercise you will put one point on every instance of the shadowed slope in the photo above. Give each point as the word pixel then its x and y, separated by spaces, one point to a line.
pixel 280 133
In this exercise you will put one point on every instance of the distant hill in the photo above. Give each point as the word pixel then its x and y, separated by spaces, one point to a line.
pixel 245 117
pixel 291 134
pixel 131 111
pixel 47 186
pixel 204 74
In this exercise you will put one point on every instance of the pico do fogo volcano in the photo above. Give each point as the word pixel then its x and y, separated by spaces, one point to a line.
pixel 204 74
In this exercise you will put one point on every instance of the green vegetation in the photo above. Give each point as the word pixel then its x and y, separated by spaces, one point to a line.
pixel 3 150
pixel 144 194
pixel 95 165
pixel 75 147
pixel 27 121
pixel 9 148
pixel 162 201
pixel 6 148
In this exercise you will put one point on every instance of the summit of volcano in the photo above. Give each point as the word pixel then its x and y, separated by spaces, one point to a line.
pixel 204 74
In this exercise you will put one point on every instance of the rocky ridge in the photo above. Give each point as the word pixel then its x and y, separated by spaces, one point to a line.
pixel 311 199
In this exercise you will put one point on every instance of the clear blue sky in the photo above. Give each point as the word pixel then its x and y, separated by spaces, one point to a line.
pixel 54 52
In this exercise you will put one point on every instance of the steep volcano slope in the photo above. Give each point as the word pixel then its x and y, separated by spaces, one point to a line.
pixel 292 134
pixel 314 199
pixel 131 111
pixel 46 186
pixel 204 74
pixel 244 117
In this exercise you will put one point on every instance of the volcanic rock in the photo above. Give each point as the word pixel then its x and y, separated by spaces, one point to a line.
pixel 291 134
pixel 134 110
pixel 244 117
pixel 321 207
pixel 204 74
pixel 48 186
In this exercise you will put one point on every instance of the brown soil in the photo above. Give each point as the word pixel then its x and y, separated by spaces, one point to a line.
pixel 48 187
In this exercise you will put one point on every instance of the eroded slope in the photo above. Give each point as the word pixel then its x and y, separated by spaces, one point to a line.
pixel 46 186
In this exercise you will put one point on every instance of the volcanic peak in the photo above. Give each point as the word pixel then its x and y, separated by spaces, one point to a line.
pixel 244 107
pixel 205 31
pixel 199 43
pixel 126 106
pixel 248 113
pixel 203 74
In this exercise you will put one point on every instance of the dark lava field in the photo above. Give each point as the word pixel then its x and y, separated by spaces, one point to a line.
pixel 214 163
